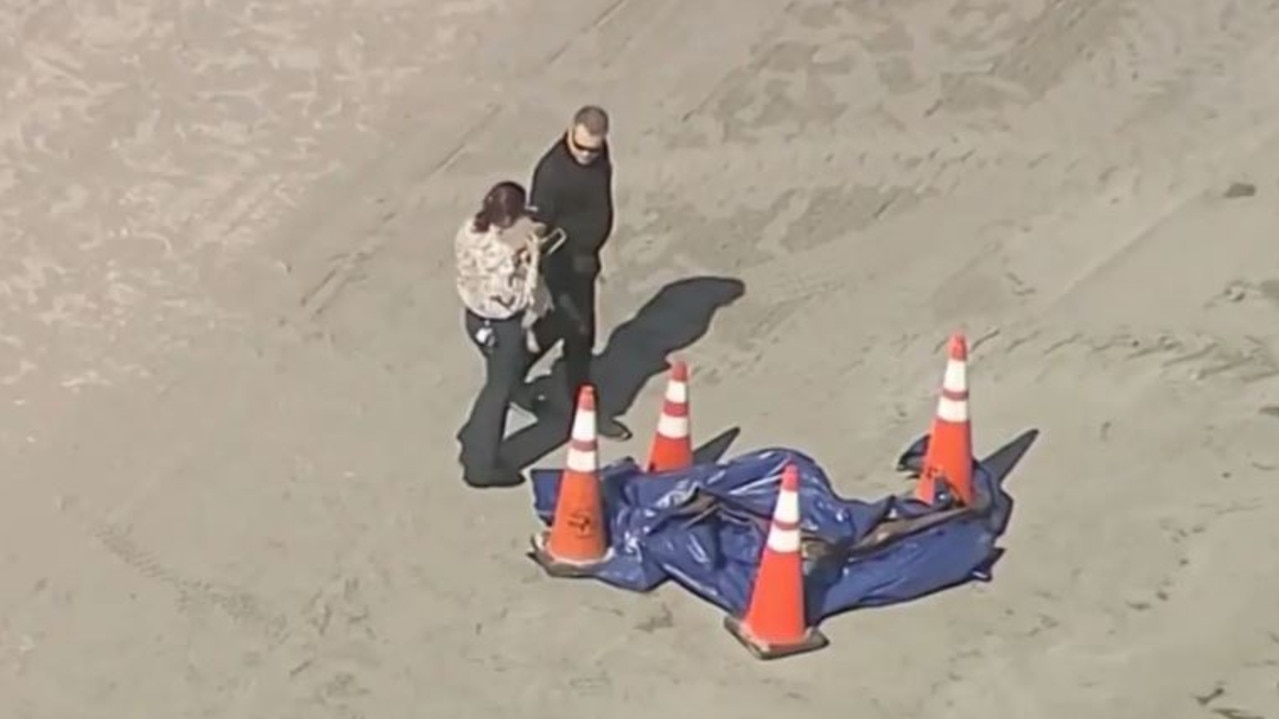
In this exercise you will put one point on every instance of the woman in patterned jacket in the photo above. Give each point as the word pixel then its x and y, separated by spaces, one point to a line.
pixel 497 278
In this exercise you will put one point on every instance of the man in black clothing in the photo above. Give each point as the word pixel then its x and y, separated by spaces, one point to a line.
pixel 572 189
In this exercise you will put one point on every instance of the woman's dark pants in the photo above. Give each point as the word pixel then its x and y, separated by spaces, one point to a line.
pixel 505 363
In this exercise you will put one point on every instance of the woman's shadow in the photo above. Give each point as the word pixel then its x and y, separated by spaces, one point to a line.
pixel 639 349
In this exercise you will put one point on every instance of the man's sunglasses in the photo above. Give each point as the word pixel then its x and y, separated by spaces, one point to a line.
pixel 584 149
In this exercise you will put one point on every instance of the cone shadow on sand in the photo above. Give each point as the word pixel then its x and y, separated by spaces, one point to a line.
pixel 637 350
pixel 998 464
pixel 715 448
pixel 1001 463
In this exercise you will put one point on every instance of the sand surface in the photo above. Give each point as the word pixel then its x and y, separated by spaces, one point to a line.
pixel 231 370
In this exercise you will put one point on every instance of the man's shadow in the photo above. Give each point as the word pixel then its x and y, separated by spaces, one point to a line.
pixel 639 349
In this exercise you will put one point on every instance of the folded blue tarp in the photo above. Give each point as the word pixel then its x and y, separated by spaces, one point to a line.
pixel 704 527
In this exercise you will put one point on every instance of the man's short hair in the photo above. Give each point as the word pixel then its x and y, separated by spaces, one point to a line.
pixel 593 118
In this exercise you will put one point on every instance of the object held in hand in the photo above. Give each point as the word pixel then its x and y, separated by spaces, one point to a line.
pixel 528 235
pixel 552 241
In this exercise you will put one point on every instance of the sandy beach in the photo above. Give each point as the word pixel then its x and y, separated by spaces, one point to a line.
pixel 231 363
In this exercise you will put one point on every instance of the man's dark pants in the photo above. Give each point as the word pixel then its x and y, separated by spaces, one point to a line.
pixel 505 363
pixel 571 320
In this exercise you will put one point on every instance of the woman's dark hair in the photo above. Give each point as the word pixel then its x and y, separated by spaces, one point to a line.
pixel 503 205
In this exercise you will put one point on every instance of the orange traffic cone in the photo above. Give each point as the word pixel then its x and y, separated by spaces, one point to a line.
pixel 673 444
pixel 775 624
pixel 575 544
pixel 950 441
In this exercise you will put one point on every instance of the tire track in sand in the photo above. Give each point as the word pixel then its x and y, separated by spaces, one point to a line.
pixel 243 608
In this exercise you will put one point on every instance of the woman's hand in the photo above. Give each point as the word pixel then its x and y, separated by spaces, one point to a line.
pixel 527 252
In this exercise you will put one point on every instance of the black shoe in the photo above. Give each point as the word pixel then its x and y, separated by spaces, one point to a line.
pixel 500 476
pixel 611 428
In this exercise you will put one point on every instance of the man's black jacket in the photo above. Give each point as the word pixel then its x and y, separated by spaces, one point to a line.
pixel 578 199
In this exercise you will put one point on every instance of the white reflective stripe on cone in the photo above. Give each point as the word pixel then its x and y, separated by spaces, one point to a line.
pixel 956 377
pixel 669 426
pixel 787 509
pixel 952 410
pixel 783 541
pixel 580 461
pixel 584 426
pixel 677 392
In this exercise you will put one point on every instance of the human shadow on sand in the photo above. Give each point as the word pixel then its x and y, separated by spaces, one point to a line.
pixel 637 350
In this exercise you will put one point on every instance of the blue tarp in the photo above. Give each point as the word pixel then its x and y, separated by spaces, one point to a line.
pixel 704 527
